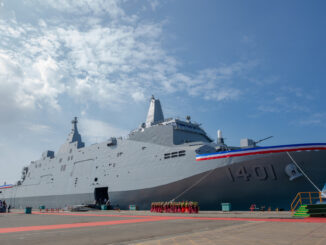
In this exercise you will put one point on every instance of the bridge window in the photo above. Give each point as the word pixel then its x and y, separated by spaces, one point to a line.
pixel 182 153
pixel 166 155
pixel 174 154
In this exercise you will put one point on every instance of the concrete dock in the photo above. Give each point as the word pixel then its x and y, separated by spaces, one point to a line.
pixel 144 227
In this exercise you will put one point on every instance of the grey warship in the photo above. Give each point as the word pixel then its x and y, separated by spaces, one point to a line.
pixel 164 160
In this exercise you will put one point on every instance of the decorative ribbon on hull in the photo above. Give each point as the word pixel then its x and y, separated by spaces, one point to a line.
pixel 262 150
pixel 6 186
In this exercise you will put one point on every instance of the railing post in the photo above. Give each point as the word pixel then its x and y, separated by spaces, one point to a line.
pixel 310 197
pixel 300 199
pixel 294 203
pixel 320 199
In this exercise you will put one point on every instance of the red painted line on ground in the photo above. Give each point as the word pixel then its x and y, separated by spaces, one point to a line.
pixel 75 225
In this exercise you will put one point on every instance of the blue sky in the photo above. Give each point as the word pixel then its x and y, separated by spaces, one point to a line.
pixel 250 68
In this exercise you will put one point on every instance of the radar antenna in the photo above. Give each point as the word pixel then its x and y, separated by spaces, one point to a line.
pixel 74 121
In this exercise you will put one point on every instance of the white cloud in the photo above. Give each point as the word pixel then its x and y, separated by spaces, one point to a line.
pixel 38 128
pixel 98 7
pixel 211 84
pixel 298 92
pixel 103 63
pixel 307 122
pixel 37 82
pixel 154 4
pixel 283 104
pixel 138 96
pixel 313 119
pixel 223 94
pixel 287 100
pixel 97 131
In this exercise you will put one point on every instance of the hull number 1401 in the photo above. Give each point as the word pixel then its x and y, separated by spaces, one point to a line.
pixel 257 172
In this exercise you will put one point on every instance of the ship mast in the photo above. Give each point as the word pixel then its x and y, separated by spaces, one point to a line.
pixel 73 137
pixel 155 113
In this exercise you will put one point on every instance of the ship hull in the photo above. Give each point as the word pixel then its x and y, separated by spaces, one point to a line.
pixel 240 184
pixel 256 180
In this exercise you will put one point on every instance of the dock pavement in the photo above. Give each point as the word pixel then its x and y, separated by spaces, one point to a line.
pixel 144 227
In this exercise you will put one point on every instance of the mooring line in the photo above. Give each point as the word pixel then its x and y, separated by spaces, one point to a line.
pixel 304 174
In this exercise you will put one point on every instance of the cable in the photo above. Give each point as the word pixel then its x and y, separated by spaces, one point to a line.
pixel 303 172
pixel 189 188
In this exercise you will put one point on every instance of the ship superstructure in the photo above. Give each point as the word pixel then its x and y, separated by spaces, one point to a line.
pixel 168 159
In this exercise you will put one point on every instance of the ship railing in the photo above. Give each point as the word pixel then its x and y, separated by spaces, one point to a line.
pixel 305 198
